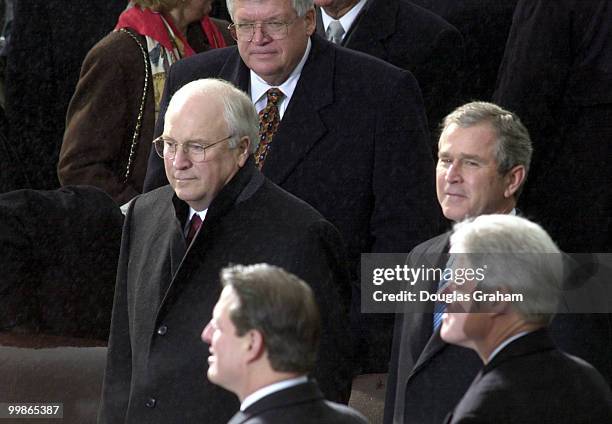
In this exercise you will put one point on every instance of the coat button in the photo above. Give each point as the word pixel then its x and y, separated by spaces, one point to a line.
pixel 150 403
pixel 162 330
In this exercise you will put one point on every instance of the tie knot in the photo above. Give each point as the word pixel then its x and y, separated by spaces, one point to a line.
pixel 334 32
pixel 274 95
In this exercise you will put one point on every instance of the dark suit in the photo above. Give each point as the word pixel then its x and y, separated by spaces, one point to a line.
pixel 427 376
pixel 165 295
pixel 353 144
pixel 531 381
pixel 58 261
pixel 412 38
pixel 484 25
pixel 557 76
pixel 301 404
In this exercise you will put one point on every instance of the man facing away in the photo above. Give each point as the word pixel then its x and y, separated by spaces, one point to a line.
pixel 263 339
pixel 218 209
pixel 526 378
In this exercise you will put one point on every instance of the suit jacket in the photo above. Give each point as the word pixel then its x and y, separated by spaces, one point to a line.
pixel 412 38
pixel 59 261
pixel 165 294
pixel 301 404
pixel 353 144
pixel 484 25
pixel 557 76
pixel 531 381
pixel 427 376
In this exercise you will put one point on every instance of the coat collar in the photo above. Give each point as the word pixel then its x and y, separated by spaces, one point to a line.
pixel 536 341
pixel 376 22
pixel 302 393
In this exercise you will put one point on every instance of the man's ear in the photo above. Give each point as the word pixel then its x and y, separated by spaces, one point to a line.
pixel 243 146
pixel 514 178
pixel 310 21
pixel 255 347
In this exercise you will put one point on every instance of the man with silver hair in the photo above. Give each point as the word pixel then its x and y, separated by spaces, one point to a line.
pixel 218 209
pixel 341 130
pixel 484 156
pixel 526 378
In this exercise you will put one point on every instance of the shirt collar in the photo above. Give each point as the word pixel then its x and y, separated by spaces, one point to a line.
pixel 272 388
pixel 259 86
pixel 505 343
pixel 346 20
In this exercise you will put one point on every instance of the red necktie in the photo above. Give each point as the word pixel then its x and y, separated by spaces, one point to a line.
pixel 269 118
pixel 194 226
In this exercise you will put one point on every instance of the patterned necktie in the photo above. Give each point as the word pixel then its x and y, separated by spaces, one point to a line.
pixel 334 32
pixel 440 307
pixel 194 227
pixel 269 118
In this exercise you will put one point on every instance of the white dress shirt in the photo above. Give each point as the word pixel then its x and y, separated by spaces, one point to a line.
pixel 272 388
pixel 347 20
pixel 259 86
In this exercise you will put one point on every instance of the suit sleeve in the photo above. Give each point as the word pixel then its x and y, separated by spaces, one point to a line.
pixel 535 68
pixel 99 123
pixel 405 210
pixel 118 375
pixel 324 269
pixel 441 78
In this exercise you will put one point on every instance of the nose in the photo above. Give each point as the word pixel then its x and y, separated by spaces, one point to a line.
pixel 453 173
pixel 181 159
pixel 205 336
pixel 259 35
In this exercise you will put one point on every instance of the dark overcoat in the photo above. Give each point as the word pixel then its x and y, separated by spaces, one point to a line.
pixel 353 143
pixel 165 294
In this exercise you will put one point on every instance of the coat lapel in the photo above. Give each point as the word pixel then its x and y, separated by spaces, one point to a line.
pixel 301 127
pixel 375 24
pixel 235 71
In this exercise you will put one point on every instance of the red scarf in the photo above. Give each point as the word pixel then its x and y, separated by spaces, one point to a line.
pixel 149 23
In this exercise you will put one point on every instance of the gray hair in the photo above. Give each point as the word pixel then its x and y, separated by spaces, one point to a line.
pixel 513 142
pixel 282 307
pixel 300 6
pixel 238 110
pixel 518 256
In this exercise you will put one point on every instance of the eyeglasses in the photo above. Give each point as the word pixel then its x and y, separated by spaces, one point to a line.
pixel 166 147
pixel 246 32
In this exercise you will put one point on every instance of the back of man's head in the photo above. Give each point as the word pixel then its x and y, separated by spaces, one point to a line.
pixel 519 257
pixel 282 308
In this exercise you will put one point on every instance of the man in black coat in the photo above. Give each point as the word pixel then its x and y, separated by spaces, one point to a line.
pixel 352 139
pixel 525 379
pixel 263 337
pixel 557 75
pixel 427 376
pixel 407 36
pixel 218 209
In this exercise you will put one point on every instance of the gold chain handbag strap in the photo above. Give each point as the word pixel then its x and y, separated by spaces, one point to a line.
pixel 145 58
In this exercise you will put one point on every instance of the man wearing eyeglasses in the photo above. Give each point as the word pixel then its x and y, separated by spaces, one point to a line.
pixel 343 131
pixel 218 210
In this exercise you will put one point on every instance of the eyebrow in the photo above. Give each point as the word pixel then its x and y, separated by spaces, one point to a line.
pixel 445 154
